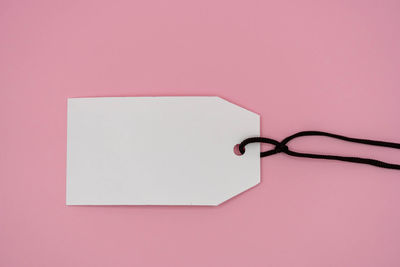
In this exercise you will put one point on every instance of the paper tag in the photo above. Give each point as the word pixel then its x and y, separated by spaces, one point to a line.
pixel 158 151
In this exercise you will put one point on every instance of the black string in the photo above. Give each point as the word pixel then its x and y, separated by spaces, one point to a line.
pixel 282 147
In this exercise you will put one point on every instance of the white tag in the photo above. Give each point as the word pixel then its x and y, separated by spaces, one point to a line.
pixel 158 151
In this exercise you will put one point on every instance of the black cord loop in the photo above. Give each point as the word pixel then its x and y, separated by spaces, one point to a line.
pixel 282 147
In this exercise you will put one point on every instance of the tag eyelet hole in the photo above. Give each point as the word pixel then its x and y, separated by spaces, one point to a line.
pixel 236 150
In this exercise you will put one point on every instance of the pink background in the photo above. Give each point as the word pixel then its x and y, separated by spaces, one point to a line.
pixel 302 65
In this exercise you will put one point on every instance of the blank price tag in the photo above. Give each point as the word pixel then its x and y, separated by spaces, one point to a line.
pixel 158 151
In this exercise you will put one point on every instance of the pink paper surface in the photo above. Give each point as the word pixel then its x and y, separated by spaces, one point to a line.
pixel 302 65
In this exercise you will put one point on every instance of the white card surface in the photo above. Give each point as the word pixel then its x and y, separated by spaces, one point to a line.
pixel 158 151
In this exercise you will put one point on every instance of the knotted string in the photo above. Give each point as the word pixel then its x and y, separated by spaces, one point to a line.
pixel 281 147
